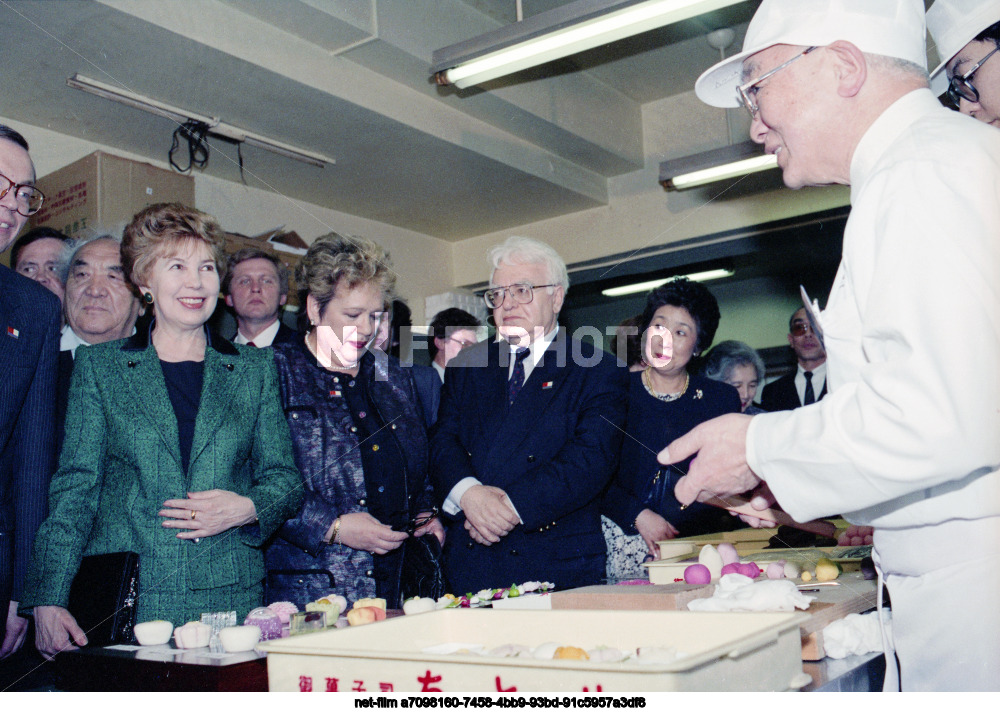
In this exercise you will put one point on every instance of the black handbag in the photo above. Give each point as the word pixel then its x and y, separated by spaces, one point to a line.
pixel 422 574
pixel 657 490
pixel 104 596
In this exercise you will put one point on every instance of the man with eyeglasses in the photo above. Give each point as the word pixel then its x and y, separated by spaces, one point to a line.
pixel 908 438
pixel 528 435
pixel 966 34
pixel 451 332
pixel 256 287
pixel 807 384
pixel 29 345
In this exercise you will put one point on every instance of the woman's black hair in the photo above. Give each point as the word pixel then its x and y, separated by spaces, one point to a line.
pixel 694 297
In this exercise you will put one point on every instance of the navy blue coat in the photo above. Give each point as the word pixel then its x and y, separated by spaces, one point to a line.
pixel 29 348
pixel 553 451
pixel 301 565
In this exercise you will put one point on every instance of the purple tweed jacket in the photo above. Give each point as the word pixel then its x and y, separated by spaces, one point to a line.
pixel 301 566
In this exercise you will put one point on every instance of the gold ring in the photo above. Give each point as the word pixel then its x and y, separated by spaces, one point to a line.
pixel 193 514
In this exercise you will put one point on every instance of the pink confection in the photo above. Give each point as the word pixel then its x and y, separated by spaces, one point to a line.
pixel 284 610
pixel 731 569
pixel 728 553
pixel 268 622
pixel 697 574
pixel 776 570
pixel 750 570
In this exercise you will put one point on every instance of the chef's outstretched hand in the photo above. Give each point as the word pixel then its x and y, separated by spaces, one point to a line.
pixel 719 467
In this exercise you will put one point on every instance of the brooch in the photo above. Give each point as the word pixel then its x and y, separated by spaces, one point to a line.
pixel 698 394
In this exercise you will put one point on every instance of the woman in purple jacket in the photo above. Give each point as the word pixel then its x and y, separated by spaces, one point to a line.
pixel 359 438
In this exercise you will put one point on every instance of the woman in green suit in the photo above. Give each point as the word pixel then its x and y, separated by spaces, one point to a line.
pixel 176 447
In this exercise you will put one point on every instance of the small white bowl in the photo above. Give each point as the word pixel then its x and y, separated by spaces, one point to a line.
pixel 153 632
pixel 239 639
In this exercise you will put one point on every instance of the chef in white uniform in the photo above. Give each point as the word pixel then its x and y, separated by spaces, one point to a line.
pixel 908 438
pixel 966 35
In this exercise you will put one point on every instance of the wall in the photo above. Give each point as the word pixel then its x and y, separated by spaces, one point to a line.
pixel 640 214
pixel 423 263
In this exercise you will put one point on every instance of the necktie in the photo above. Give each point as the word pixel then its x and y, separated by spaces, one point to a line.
pixel 810 396
pixel 516 381
pixel 250 343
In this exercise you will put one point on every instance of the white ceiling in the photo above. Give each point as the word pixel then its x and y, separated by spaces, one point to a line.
pixel 350 79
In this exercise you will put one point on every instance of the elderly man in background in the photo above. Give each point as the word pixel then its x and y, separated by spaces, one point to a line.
pixel 38 255
pixel 256 288
pixel 29 339
pixel 100 306
pixel 906 440
pixel 527 437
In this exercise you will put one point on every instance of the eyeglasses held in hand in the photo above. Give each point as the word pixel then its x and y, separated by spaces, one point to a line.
pixel 418 522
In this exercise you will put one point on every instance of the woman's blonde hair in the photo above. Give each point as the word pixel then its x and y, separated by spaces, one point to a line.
pixel 159 230
pixel 334 259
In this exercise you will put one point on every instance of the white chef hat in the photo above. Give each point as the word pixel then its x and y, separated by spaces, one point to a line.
pixel 893 28
pixel 954 24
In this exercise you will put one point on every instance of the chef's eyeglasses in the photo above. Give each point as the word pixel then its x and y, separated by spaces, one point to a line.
pixel 748 92
pixel 29 198
pixel 961 87
pixel 520 293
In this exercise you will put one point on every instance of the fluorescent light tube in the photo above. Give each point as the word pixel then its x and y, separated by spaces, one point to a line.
pixel 563 40
pixel 216 126
pixel 652 284
pixel 716 173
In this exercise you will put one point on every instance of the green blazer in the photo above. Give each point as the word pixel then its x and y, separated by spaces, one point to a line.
pixel 121 460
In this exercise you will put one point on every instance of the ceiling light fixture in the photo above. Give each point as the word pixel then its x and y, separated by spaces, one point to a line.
pixel 705 276
pixel 738 159
pixel 180 116
pixel 558 33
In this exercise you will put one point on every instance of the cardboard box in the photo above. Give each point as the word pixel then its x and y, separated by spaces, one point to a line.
pixel 434 652
pixel 102 192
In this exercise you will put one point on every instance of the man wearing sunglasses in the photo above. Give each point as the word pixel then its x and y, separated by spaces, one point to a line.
pixel 908 438
pixel 527 438
pixel 966 34
pixel 29 347
pixel 807 384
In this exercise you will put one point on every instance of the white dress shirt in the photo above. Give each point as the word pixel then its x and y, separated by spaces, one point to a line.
pixel 261 340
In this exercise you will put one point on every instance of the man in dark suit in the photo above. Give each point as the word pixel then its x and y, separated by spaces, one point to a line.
pixel 256 287
pixel 29 342
pixel 808 383
pixel 528 434
pixel 99 306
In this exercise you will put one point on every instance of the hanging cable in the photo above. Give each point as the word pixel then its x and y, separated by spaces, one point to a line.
pixel 195 134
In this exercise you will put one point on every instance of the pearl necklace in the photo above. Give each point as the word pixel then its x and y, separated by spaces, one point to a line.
pixel 647 382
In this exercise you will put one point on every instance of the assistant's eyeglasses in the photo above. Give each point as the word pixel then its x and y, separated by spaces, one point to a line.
pixel 961 87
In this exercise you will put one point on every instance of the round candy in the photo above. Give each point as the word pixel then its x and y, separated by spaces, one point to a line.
pixel 750 570
pixel 284 610
pixel 697 574
pixel 776 570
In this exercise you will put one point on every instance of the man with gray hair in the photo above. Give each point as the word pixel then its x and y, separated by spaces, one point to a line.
pixel 907 438
pixel 100 306
pixel 528 434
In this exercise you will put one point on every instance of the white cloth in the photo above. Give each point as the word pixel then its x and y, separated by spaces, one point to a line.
pixel 736 592
pixel 908 437
pixel 818 381
pixel 855 634
pixel 538 347
pixel 261 340
pixel 439 368
pixel 69 340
